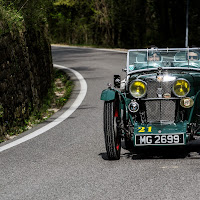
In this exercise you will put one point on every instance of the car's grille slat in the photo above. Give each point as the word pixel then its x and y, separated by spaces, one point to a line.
pixel 159 110
pixel 152 89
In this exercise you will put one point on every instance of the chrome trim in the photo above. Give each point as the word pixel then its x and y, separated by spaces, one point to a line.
pixel 136 104
pixel 151 99
pixel 140 81
pixel 174 84
pixel 165 49
pixel 164 68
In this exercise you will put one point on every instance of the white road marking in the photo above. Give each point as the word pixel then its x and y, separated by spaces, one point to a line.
pixel 65 115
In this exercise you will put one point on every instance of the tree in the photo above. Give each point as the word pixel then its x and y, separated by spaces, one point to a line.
pixel 124 23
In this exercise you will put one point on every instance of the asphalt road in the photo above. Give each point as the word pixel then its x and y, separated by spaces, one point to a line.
pixel 68 162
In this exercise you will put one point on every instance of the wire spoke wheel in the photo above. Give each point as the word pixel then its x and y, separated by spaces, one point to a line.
pixel 111 130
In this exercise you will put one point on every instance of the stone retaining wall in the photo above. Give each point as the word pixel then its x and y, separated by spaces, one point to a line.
pixel 25 73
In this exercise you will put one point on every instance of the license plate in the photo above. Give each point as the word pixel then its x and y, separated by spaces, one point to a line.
pixel 156 139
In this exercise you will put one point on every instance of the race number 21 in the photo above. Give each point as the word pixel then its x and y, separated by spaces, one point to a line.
pixel 145 129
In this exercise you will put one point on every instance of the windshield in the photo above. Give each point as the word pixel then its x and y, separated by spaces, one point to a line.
pixel 170 58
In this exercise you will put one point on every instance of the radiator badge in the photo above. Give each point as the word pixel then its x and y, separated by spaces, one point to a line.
pixel 187 102
pixel 167 95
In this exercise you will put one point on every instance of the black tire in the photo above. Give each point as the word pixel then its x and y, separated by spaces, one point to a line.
pixel 111 131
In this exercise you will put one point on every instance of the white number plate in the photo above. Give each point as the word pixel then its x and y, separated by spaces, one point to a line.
pixel 156 139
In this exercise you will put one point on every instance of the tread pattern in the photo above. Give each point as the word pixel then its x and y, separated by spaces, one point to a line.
pixel 109 131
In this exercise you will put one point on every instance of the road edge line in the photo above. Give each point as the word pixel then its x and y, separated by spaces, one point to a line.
pixel 61 118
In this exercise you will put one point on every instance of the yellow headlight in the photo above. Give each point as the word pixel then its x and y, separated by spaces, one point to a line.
pixel 181 87
pixel 138 88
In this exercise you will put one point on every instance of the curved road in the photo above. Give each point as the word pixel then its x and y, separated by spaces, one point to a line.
pixel 68 162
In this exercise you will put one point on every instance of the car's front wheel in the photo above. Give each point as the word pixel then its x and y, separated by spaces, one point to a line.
pixel 111 130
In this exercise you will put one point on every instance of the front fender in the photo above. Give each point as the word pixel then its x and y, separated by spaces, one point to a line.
pixel 108 95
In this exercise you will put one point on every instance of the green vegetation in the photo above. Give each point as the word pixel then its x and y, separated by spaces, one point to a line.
pixel 24 14
pixel 124 23
pixel 62 91
pixel 57 96
pixel 26 64
pixel 1 110
pixel 9 19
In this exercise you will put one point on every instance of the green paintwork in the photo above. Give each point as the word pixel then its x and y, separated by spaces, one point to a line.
pixel 108 95
pixel 179 127
pixel 184 122
pixel 196 100
pixel 194 80
pixel 175 128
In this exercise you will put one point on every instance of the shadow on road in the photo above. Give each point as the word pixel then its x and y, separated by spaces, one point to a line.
pixel 83 68
pixel 134 156
pixel 105 157
pixel 152 155
pixel 86 107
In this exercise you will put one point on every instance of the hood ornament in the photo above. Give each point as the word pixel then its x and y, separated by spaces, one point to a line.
pixel 159 92
pixel 159 70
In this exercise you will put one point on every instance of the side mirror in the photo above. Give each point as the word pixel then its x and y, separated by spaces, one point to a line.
pixel 117 81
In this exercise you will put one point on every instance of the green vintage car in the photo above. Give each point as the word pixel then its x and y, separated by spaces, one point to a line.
pixel 157 106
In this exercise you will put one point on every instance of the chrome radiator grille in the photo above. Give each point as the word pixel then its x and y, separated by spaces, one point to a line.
pixel 159 110
pixel 153 85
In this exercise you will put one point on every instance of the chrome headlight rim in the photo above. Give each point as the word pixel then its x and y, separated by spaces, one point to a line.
pixel 180 79
pixel 138 80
